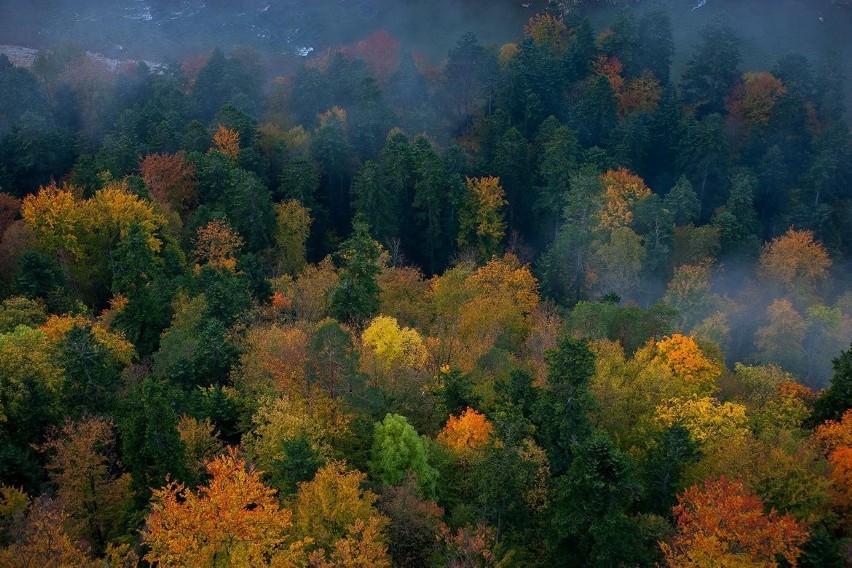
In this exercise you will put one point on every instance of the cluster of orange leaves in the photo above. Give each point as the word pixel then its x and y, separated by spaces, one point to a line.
pixel 641 95
pixel 170 179
pixel 470 546
pixel 234 519
pixel 380 51
pixel 835 439
pixel 471 430
pixel 280 302
pixel 227 142
pixel 335 114
pixel 91 491
pixel 216 244
pixel 683 356
pixel 622 190
pixel 721 524
pixel 274 356
pixel 795 257
pixel 44 541
pixel 754 97
pixel 611 68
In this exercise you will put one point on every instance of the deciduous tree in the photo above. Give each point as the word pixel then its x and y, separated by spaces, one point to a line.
pixel 469 431
pixel 44 541
pixel 227 142
pixel 398 449
pixel 482 223
pixel 621 192
pixel 754 97
pixel 217 245
pixel 334 507
pixel 235 519
pixel 721 524
pixel 91 488
pixel 170 179
pixel 796 260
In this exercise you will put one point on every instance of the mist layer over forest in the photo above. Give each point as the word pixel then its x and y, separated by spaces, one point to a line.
pixel 163 30
pixel 450 283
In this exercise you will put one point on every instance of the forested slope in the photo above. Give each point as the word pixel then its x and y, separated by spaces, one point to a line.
pixel 533 305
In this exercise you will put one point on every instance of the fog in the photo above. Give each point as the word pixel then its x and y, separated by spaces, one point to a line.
pixel 286 33
pixel 162 29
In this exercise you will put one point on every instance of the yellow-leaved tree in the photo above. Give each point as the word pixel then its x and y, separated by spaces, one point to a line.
pixel 341 520
pixel 622 190
pixel 85 233
pixel 482 223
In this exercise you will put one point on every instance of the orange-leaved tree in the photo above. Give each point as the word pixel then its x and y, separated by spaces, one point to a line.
pixel 469 431
pixel 381 51
pixel 795 259
pixel 622 191
pixel 755 96
pixel 721 524
pixel 217 244
pixel 43 540
pixel 835 439
pixel 684 357
pixel 641 95
pixel 233 520
pixel 610 67
pixel 227 142
pixel 91 488
pixel 170 179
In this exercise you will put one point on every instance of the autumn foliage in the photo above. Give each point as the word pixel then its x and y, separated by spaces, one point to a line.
pixel 610 68
pixel 684 357
pixel 795 258
pixel 469 431
pixel 548 31
pixel 754 98
pixel 622 191
pixel 381 52
pixel 834 437
pixel 170 179
pixel 234 519
pixel 92 490
pixel 483 224
pixel 243 325
pixel 642 94
pixel 722 524
pixel 227 142
pixel 216 245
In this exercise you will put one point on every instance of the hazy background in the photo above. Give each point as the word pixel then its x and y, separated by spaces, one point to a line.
pixel 281 29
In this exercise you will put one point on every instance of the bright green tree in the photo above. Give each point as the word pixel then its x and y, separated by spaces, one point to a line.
pixel 397 449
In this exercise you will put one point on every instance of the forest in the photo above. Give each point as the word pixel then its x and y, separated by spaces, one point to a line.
pixel 537 304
